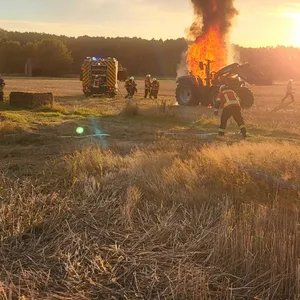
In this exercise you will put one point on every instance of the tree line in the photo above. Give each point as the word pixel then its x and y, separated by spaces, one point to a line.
pixel 61 55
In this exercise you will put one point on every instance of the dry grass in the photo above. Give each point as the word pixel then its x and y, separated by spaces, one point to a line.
pixel 268 112
pixel 216 223
pixel 11 123
pixel 150 217
pixel 130 109
pixel 9 127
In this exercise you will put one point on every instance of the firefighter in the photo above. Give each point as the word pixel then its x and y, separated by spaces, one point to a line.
pixel 130 86
pixel 154 88
pixel 96 81
pixel 2 84
pixel 230 102
pixel 289 91
pixel 147 86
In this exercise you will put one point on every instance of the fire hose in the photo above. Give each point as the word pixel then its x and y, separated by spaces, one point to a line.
pixel 121 94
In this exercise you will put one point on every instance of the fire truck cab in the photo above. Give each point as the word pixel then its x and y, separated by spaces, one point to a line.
pixel 100 76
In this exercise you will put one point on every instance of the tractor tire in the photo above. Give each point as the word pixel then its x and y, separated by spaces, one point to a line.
pixel 246 97
pixel 212 95
pixel 30 100
pixel 187 94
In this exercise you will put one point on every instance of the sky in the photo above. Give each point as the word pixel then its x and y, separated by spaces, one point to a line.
pixel 259 23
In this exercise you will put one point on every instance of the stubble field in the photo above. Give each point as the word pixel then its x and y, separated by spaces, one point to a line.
pixel 159 209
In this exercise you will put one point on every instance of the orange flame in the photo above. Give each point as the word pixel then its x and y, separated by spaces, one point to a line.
pixel 209 46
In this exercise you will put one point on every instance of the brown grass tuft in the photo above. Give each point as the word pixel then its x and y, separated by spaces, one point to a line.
pixel 215 223
pixel 9 127
pixel 130 109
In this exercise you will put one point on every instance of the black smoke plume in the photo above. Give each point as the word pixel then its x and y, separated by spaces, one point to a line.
pixel 209 13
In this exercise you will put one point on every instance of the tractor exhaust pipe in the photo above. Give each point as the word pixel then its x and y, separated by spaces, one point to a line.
pixel 206 68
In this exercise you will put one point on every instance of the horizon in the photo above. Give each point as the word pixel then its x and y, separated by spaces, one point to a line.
pixel 279 20
pixel 138 37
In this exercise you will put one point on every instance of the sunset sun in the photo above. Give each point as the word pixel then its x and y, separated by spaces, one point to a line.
pixel 295 28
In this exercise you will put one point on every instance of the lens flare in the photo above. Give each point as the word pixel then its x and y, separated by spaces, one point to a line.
pixel 95 127
pixel 79 130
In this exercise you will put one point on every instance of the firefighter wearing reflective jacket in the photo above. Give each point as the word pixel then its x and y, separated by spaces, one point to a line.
pixel 96 81
pixel 230 102
pixel 289 91
pixel 2 84
pixel 147 85
pixel 130 86
pixel 154 88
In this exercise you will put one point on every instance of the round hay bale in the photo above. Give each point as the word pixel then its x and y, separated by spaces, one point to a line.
pixel 30 100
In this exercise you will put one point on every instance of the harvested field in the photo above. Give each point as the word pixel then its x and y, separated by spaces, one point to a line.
pixel 142 213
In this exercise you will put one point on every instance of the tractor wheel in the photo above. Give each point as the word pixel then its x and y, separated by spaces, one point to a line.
pixel 246 97
pixel 187 94
pixel 212 95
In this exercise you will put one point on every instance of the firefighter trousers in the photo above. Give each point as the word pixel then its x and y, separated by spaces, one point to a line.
pixel 147 92
pixel 291 95
pixel 130 92
pixel 153 93
pixel 235 112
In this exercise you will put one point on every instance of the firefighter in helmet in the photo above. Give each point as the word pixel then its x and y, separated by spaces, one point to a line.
pixel 147 85
pixel 2 84
pixel 154 88
pixel 96 81
pixel 130 86
pixel 289 91
pixel 229 101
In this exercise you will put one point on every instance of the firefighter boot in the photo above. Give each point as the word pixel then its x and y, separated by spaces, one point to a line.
pixel 244 132
pixel 221 132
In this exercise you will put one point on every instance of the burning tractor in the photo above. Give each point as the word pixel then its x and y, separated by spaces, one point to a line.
pixel 192 90
pixel 100 76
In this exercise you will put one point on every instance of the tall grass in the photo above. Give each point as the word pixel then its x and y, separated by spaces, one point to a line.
pixel 219 222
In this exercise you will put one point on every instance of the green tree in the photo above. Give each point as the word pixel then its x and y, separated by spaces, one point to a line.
pixel 3 35
pixel 54 57
pixel 140 56
pixel 11 57
pixel 30 50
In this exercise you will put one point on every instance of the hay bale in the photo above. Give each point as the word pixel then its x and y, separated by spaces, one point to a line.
pixel 30 100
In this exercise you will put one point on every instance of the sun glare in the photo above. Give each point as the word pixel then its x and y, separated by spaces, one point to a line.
pixel 295 28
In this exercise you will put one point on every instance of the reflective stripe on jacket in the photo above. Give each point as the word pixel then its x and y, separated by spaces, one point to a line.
pixel 155 86
pixel 130 83
pixel 147 83
pixel 227 98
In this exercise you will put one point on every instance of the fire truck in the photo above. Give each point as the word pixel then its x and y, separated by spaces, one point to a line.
pixel 100 76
